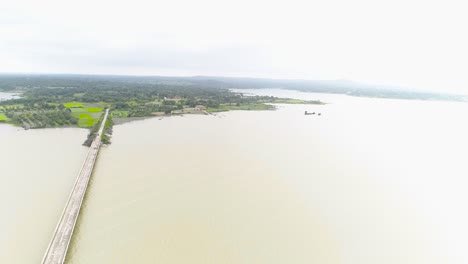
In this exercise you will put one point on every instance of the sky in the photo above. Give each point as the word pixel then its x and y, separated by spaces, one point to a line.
pixel 410 43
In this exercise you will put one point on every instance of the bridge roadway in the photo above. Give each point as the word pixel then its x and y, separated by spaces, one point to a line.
pixel 57 249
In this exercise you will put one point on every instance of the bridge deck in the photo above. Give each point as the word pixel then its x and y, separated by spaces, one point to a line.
pixel 57 250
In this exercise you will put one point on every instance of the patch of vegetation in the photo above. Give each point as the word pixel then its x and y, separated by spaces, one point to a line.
pixel 3 117
pixel 119 113
pixel 41 118
pixel 104 104
pixel 106 135
pixel 94 109
pixel 85 120
pixel 93 131
pixel 87 115
pixel 78 110
pixel 73 104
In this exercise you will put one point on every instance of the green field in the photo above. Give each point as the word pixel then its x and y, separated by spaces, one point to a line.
pixel 94 109
pixel 73 104
pixel 87 116
pixel 86 120
pixel 3 117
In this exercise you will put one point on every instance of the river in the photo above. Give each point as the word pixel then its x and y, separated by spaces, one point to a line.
pixel 37 170
pixel 369 181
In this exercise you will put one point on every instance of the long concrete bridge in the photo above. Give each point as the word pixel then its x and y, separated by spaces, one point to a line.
pixel 57 249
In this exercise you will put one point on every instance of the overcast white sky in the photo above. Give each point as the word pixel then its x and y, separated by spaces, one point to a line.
pixel 416 43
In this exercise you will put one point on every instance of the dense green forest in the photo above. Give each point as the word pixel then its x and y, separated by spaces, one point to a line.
pixel 62 100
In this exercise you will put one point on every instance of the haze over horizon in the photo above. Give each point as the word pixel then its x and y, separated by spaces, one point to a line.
pixel 417 44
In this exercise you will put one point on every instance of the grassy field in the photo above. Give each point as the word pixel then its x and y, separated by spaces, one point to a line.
pixel 86 120
pixel 3 117
pixel 88 116
pixel 73 104
pixel 94 109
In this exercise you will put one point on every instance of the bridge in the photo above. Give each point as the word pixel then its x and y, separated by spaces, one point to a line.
pixel 58 246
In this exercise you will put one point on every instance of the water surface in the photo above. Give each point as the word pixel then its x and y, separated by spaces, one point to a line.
pixel 8 95
pixel 37 171
pixel 369 181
